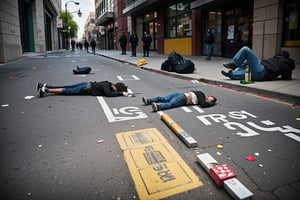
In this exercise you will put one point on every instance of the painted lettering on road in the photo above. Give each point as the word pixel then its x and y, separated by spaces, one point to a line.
pixel 121 114
pixel 250 128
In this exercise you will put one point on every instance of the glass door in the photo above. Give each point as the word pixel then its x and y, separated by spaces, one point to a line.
pixel 237 30
pixel 213 20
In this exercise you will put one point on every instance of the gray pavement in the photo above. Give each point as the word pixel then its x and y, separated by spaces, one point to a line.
pixel 210 72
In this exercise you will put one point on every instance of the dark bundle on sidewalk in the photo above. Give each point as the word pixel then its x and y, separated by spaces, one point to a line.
pixel 82 70
pixel 177 63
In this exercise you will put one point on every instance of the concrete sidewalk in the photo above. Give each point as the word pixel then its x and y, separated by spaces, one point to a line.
pixel 210 72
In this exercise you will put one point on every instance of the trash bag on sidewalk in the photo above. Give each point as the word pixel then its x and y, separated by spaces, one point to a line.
pixel 167 66
pixel 177 63
pixel 82 70
pixel 175 58
pixel 185 67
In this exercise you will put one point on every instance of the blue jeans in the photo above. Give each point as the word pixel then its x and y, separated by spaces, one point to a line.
pixel 173 100
pixel 245 56
pixel 77 89
pixel 209 51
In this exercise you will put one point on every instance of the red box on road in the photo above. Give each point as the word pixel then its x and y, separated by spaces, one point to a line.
pixel 221 173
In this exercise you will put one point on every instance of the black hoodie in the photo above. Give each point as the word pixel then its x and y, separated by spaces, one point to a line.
pixel 202 99
pixel 278 66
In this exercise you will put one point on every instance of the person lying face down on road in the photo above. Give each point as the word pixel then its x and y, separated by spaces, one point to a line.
pixel 102 88
pixel 177 99
pixel 265 70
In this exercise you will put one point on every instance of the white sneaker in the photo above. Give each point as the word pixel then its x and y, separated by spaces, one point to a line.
pixel 155 107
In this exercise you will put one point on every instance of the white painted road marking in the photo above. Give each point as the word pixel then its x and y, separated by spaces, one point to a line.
pixel 130 112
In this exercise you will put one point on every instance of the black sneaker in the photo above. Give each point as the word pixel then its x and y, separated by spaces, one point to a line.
pixel 146 101
pixel 230 66
pixel 155 107
pixel 226 73
pixel 40 85
pixel 42 92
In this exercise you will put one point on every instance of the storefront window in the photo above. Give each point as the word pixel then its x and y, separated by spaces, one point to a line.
pixel 213 20
pixel 291 29
pixel 179 20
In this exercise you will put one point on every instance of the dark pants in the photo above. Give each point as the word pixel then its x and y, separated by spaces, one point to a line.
pixel 133 50
pixel 146 49
pixel 123 50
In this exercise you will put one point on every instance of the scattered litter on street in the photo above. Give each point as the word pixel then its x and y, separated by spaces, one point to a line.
pixel 250 158
pixel 29 97
pixel 81 75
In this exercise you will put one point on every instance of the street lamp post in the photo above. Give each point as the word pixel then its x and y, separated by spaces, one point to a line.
pixel 66 10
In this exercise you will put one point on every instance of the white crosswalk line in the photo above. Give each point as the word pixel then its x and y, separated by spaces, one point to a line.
pixel 198 109
pixel 186 109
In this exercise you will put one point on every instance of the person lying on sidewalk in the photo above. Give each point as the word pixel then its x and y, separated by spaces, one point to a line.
pixel 177 99
pixel 102 88
pixel 265 70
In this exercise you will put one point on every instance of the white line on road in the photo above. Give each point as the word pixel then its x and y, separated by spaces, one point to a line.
pixel 293 136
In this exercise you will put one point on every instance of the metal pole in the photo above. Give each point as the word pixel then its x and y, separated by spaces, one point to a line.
pixel 67 38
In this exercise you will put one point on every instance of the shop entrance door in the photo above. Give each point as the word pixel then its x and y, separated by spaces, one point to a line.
pixel 152 28
pixel 237 29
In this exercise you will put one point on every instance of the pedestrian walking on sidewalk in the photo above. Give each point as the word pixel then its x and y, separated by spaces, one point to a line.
pixel 147 39
pixel 265 70
pixel 134 43
pixel 209 40
pixel 177 99
pixel 86 45
pixel 123 43
pixel 102 88
pixel 73 44
pixel 93 45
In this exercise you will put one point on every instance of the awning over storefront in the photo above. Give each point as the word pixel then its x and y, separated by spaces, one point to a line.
pixel 137 6
pixel 105 19
pixel 198 3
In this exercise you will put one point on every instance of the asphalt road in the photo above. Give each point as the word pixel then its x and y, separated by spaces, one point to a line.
pixel 66 147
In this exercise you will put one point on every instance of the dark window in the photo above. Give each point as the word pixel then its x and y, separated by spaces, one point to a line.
pixel 179 20
pixel 291 23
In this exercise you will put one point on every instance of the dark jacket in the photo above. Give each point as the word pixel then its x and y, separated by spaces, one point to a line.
pixel 278 66
pixel 103 88
pixel 93 43
pixel 147 39
pixel 123 40
pixel 134 39
pixel 202 99
pixel 209 38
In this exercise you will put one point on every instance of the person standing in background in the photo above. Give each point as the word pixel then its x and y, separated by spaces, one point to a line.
pixel 93 45
pixel 134 42
pixel 209 40
pixel 147 41
pixel 123 43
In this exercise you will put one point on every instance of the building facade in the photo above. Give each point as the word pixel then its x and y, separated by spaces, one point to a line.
pixel 266 26
pixel 28 26
pixel 108 15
